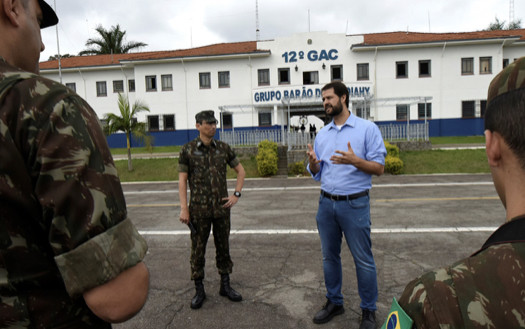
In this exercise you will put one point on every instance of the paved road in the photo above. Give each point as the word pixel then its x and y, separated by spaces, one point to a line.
pixel 419 223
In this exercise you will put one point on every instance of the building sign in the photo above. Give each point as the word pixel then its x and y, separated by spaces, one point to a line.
pixel 312 55
pixel 277 95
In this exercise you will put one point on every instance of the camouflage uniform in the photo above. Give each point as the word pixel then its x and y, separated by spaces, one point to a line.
pixel 485 290
pixel 63 221
pixel 206 168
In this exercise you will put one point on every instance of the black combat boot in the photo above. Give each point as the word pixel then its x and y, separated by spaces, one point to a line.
pixel 228 291
pixel 200 295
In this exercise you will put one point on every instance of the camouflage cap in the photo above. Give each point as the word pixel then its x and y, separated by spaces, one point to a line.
pixel 511 78
pixel 49 17
pixel 208 116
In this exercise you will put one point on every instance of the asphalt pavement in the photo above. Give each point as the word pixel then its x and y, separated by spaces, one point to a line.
pixel 419 223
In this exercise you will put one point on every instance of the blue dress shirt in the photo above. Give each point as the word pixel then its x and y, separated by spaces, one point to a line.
pixel 366 142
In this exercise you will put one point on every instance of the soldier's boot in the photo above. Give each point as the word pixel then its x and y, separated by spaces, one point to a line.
pixel 228 291
pixel 200 295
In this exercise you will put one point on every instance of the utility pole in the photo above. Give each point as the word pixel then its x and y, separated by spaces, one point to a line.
pixel 58 48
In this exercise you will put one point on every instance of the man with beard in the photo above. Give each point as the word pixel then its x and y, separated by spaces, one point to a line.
pixel 346 153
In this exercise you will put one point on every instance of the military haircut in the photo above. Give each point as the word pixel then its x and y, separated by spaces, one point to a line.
pixel 339 89
pixel 505 111
pixel 506 115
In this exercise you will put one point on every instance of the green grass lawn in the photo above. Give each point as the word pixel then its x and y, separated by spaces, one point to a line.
pixel 415 162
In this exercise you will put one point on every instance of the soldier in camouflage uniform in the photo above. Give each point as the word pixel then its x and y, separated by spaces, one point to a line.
pixel 203 163
pixel 487 289
pixel 68 253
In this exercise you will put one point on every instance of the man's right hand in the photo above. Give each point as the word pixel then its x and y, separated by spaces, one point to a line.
pixel 184 215
pixel 312 159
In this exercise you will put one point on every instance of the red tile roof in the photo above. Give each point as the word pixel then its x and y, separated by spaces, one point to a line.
pixel 250 47
pixel 392 38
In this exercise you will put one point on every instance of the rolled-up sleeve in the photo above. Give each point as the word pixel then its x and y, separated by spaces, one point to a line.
pixel 101 258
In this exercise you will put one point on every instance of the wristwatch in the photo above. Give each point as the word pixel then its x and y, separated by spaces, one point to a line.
pixel 237 194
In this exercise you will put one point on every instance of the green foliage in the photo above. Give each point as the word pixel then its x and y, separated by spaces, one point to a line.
pixel 392 150
pixel 127 123
pixel 445 161
pixel 393 165
pixel 297 168
pixel 267 158
pixel 111 41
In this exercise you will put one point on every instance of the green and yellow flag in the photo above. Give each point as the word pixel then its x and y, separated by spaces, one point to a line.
pixel 397 318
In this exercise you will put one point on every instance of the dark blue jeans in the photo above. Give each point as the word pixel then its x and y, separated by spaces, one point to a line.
pixel 351 218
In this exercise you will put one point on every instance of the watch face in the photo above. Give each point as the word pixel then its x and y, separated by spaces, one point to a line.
pixel 237 194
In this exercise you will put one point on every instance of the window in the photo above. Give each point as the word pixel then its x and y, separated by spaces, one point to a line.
pixel 166 81
pixel 131 85
pixel 153 122
pixel 151 83
pixel 401 112
pixel 265 119
pixel 485 65
pixel 362 72
pixel 468 109
pixel 421 111
pixel 483 106
pixel 205 80
pixel 424 68
pixel 71 85
pixel 360 109
pixel 337 72
pixel 227 121
pixel 169 121
pixel 102 90
pixel 224 79
pixel 118 86
pixel 263 77
pixel 284 76
pixel 505 62
pixel 310 78
pixel 467 66
pixel 401 70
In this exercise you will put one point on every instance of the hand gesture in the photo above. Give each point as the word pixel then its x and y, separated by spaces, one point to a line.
pixel 346 157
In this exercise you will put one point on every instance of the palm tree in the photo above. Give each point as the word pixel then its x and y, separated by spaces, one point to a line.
pixel 110 42
pixel 128 123
pixel 500 25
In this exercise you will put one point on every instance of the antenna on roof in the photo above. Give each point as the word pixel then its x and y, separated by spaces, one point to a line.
pixel 308 20
pixel 257 34
pixel 511 12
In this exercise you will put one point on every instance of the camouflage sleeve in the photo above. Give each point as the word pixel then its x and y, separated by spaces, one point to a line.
pixel 430 301
pixel 76 184
pixel 233 161
pixel 184 162
pixel 118 248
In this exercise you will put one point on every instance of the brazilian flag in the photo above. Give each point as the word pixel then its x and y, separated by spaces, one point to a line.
pixel 397 318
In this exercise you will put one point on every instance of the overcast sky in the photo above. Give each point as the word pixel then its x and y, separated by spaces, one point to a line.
pixel 179 24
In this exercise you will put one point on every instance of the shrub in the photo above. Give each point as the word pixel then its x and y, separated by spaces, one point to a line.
pixel 267 158
pixel 297 168
pixel 393 165
pixel 392 150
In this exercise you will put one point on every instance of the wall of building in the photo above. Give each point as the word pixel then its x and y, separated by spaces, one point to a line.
pixel 446 87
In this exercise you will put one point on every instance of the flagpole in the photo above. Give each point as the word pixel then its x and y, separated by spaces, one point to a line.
pixel 58 48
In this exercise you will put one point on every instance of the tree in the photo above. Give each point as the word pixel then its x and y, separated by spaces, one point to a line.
pixel 127 123
pixel 500 25
pixel 55 57
pixel 110 42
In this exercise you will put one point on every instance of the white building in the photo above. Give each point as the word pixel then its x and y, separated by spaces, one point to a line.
pixel 392 78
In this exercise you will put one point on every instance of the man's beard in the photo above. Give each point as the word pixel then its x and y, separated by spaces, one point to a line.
pixel 336 110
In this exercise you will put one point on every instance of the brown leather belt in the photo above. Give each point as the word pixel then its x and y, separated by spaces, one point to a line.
pixel 334 197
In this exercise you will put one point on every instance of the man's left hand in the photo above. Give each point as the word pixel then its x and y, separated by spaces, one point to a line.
pixel 346 157
pixel 230 201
